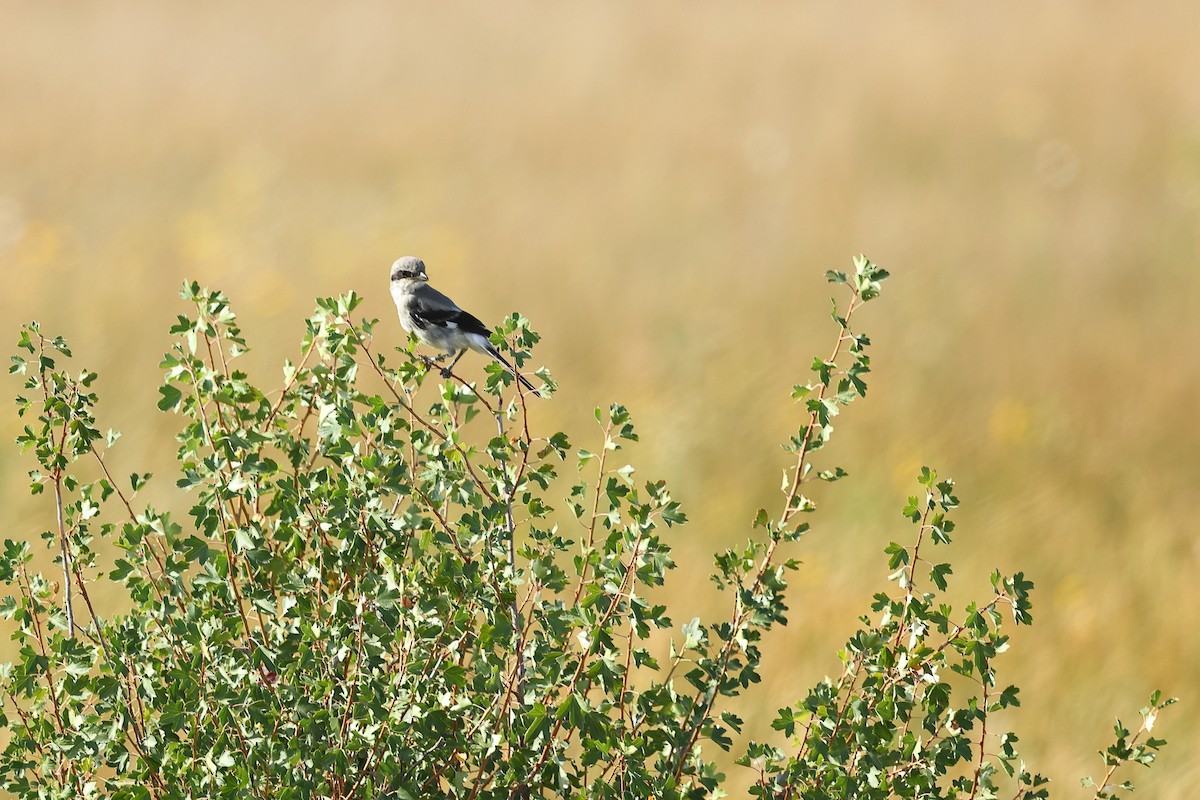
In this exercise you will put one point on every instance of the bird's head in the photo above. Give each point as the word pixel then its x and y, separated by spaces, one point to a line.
pixel 408 268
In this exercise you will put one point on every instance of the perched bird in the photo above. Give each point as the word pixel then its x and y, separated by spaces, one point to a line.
pixel 437 320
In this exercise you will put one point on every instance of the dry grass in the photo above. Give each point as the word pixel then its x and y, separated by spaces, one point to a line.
pixel 658 189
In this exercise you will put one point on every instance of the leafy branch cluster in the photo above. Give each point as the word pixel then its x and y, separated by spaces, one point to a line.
pixel 372 595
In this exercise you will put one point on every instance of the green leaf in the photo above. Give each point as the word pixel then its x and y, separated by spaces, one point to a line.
pixel 897 555
pixel 170 397
pixel 694 634
pixel 938 575
pixel 672 514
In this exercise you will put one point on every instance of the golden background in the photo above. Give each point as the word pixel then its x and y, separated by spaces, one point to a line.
pixel 659 187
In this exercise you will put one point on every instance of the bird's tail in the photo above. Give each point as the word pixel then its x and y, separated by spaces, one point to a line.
pixel 494 353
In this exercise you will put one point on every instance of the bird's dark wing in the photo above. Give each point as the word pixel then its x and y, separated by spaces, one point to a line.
pixel 472 324
pixel 427 316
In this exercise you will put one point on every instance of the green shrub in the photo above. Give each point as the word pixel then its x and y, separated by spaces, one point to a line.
pixel 372 596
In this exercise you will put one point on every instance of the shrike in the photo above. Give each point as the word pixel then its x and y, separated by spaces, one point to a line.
pixel 437 320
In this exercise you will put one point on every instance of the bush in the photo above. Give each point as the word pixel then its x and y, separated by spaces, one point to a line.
pixel 372 596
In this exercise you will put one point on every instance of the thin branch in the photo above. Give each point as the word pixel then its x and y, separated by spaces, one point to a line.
pixel 790 509
pixel 514 611
pixel 626 581
pixel 912 570
pixel 57 477
pixel 982 741
pixel 34 612
pixel 591 526
pixel 67 561
pixel 287 386
pixel 424 423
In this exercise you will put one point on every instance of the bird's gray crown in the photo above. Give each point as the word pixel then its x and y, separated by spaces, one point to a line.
pixel 408 267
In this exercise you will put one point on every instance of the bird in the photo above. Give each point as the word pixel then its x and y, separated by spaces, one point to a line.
pixel 437 320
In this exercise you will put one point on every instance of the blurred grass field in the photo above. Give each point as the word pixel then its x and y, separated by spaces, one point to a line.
pixel 658 188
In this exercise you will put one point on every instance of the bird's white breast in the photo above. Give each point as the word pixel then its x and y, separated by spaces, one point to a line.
pixel 401 294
